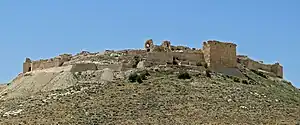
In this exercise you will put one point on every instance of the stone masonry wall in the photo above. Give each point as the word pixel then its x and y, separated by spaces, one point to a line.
pixel 162 58
pixel 220 54
pixel 190 57
pixel 29 65
pixel 136 52
pixel 159 58
pixel 26 67
pixel 276 68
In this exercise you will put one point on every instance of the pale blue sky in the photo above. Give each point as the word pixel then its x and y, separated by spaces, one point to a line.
pixel 263 29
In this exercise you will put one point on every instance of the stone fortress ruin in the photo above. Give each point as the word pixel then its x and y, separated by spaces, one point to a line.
pixel 215 55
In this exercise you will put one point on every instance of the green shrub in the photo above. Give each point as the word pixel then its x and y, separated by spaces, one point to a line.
pixel 184 75
pixel 133 77
pixel 8 84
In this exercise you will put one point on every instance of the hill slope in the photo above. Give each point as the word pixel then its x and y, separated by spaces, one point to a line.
pixel 161 98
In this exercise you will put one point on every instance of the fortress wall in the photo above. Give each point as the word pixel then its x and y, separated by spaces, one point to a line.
pixel 206 53
pixel 164 57
pixel 45 64
pixel 136 52
pixel 192 57
pixel 37 64
pixel 159 57
pixel 256 65
pixel 276 68
pixel 26 67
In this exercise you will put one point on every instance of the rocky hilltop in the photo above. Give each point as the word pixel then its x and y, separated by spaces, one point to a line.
pixel 161 84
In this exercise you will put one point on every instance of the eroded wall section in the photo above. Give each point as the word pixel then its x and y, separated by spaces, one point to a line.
pixel 276 68
pixel 29 65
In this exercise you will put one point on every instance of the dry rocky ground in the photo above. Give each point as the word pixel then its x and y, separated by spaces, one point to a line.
pixel 161 95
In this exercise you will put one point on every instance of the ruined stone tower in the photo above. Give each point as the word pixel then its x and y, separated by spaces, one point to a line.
pixel 27 65
pixel 149 45
pixel 220 54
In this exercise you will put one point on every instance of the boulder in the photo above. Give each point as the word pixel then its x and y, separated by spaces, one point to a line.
pixel 107 75
pixel 141 65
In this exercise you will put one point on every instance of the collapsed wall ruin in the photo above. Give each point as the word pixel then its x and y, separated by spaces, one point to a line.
pixel 276 68
pixel 214 54
pixel 29 65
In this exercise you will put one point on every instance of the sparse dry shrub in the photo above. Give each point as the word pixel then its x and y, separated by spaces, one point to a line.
pixel 133 77
pixel 184 75
pixel 236 79
pixel 208 73
pixel 139 79
pixel 144 74
pixel 245 81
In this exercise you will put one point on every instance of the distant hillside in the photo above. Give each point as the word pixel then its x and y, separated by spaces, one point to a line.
pixel 163 97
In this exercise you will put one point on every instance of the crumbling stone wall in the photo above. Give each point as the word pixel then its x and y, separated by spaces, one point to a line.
pixel 164 47
pixel 276 68
pixel 29 65
pixel 162 58
pixel 159 58
pixel 220 54
pixel 191 57
pixel 180 48
pixel 136 52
